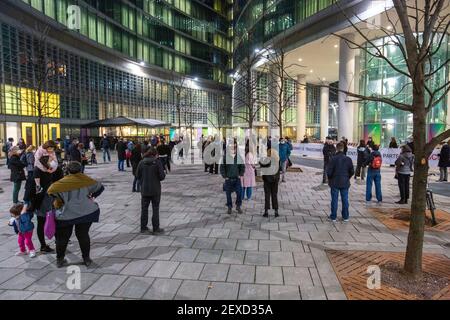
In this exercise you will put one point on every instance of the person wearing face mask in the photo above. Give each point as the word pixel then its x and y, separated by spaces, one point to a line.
pixel 284 152
pixel 232 169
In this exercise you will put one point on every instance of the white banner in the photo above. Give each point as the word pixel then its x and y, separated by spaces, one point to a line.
pixel 388 155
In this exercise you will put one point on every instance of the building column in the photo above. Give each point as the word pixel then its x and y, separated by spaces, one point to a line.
pixel 274 90
pixel 346 83
pixel 324 111
pixel 301 107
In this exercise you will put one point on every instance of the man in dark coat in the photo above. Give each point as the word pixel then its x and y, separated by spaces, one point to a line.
pixel 444 161
pixel 105 145
pixel 121 154
pixel 339 172
pixel 150 172
pixel 328 151
pixel 232 169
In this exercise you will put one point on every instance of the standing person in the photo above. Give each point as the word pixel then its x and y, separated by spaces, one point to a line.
pixel 214 167
pixel 271 182
pixel 248 180
pixel 345 142
pixel 67 144
pixel 374 175
pixel 370 143
pixel 150 172
pixel 130 146
pixel 17 171
pixel 328 152
pixel 6 148
pixel 410 144
pixel 45 164
pixel 75 152
pixel 164 154
pixel 232 169
pixel 136 157
pixel 403 169
pixel 93 151
pixel 30 186
pixel 393 143
pixel 23 227
pixel 361 161
pixel 339 171
pixel 444 161
pixel 21 144
pixel 284 152
pixel 204 146
pixel 84 159
pixel 121 154
pixel 105 145
pixel 74 198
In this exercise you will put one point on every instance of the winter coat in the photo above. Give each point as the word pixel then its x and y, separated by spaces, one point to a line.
pixel 121 150
pixel 339 171
pixel 105 143
pixel 30 161
pixel 248 179
pixel 363 156
pixel 393 145
pixel 150 172
pixel 372 156
pixel 75 154
pixel 269 178
pixel 43 153
pixel 135 158
pixel 73 197
pixel 22 223
pixel 17 169
pixel 444 157
pixel 328 151
pixel 284 151
pixel 234 170
pixel 404 163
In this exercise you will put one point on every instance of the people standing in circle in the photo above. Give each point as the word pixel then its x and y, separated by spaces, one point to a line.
pixel 30 186
pixel 328 152
pixel 136 157
pixel 17 168
pixel 444 161
pixel 374 175
pixel 121 154
pixel 232 169
pixel 248 180
pixel 339 171
pixel 361 161
pixel 106 146
pixel 271 182
pixel 150 172
pixel 403 168
pixel 74 198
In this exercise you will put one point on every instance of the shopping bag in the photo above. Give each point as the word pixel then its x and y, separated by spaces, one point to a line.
pixel 50 225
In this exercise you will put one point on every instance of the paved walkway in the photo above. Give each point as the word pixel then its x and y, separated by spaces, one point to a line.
pixel 205 253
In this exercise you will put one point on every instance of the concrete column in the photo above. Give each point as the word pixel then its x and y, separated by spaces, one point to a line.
pixel 274 90
pixel 346 83
pixel 301 107
pixel 324 106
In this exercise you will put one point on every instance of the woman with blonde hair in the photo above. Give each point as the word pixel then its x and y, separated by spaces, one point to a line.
pixel 30 186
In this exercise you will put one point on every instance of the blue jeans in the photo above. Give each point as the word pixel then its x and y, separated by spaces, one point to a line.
pixel 106 152
pixel 334 202
pixel 121 164
pixel 373 176
pixel 247 190
pixel 233 185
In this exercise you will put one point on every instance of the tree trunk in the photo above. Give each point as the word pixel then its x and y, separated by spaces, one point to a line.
pixel 413 259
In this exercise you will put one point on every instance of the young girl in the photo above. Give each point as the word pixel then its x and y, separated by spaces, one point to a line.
pixel 21 222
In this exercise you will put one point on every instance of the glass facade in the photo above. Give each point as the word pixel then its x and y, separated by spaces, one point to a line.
pixel 187 36
pixel 81 90
pixel 258 21
pixel 382 121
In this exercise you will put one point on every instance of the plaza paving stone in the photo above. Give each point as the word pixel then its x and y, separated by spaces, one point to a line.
pixel 206 253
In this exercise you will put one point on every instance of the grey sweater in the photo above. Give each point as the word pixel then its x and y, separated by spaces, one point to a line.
pixel 405 163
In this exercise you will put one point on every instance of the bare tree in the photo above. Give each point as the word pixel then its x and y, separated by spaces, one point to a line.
pixel 178 82
pixel 418 29
pixel 39 92
pixel 280 98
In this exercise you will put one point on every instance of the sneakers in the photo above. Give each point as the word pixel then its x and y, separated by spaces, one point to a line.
pixel 229 211
pixel 61 262
pixel 345 220
pixel 158 231
pixel 401 202
pixel 266 214
pixel 21 253
pixel 332 220
pixel 146 231
pixel 46 249
pixel 276 214
pixel 32 254
pixel 239 210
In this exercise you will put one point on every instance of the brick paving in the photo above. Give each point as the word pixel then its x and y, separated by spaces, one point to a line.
pixel 205 253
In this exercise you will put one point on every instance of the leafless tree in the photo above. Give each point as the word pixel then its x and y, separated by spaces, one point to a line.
pixel 419 30
pixel 178 82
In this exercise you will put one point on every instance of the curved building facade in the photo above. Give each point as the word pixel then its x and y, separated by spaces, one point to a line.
pixel 141 59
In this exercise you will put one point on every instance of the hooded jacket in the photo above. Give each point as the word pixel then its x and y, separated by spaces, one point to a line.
pixel 150 172
pixel 339 171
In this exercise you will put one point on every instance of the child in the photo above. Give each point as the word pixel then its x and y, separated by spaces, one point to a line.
pixel 21 222
pixel 45 161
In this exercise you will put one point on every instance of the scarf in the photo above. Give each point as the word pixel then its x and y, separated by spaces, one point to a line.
pixel 70 183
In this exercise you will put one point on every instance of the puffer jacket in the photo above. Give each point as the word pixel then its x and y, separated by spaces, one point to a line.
pixel 17 169
pixel 150 172
pixel 404 163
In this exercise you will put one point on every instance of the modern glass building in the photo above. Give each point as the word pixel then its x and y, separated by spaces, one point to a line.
pixel 141 58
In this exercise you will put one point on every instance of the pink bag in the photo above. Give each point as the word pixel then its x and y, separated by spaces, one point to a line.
pixel 50 225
